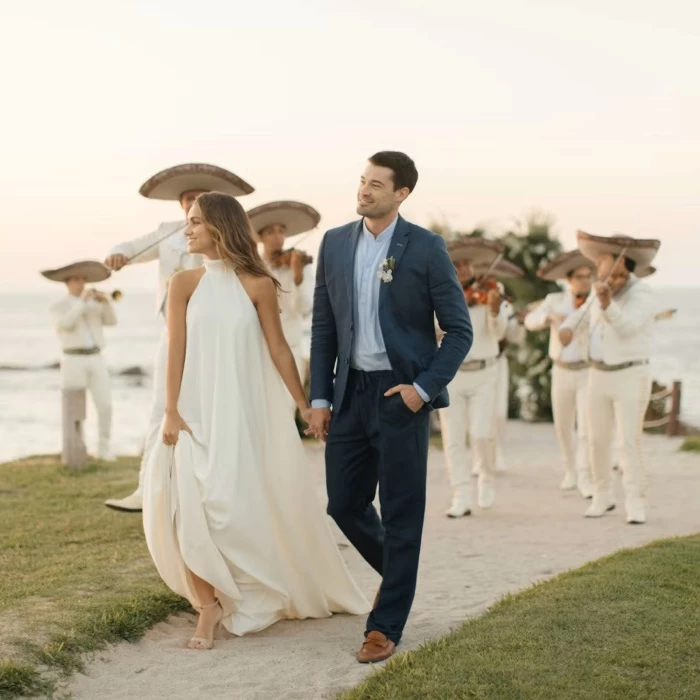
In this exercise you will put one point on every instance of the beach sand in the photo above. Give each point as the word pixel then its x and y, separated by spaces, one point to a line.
pixel 534 532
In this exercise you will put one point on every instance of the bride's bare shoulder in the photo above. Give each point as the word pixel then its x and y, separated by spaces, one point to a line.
pixel 258 287
pixel 183 283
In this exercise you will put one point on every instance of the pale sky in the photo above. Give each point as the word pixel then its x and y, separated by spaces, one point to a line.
pixel 587 109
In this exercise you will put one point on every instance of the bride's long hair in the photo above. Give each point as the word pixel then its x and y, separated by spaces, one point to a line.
pixel 233 235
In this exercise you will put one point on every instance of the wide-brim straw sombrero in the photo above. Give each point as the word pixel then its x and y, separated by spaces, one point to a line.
pixel 481 252
pixel 296 217
pixel 641 250
pixel 172 182
pixel 91 270
pixel 563 264
pixel 504 269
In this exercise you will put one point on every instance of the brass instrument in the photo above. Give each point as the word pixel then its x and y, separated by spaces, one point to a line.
pixel 97 295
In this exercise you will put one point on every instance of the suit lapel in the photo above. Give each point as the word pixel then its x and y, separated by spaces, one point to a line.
pixel 349 252
pixel 397 247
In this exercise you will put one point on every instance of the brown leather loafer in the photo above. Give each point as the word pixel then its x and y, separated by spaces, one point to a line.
pixel 375 648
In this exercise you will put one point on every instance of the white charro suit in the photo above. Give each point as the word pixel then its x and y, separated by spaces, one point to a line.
pixel 172 256
pixel 619 388
pixel 472 409
pixel 78 324
pixel 569 387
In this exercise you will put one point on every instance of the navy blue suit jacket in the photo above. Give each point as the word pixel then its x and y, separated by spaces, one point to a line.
pixel 424 286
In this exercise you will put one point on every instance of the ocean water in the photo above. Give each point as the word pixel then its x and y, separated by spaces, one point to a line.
pixel 30 399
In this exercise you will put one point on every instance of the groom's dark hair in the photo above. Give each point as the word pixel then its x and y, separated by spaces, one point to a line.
pixel 404 169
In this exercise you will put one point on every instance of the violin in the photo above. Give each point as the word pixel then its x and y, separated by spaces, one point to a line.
pixel 478 291
pixel 284 257
pixel 580 300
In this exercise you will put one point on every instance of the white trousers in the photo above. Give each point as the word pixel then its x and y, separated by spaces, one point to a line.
pixel 472 411
pixel 617 402
pixel 90 372
pixel 569 401
pixel 502 389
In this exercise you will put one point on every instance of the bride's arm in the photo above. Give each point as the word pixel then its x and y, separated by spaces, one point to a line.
pixel 268 310
pixel 179 291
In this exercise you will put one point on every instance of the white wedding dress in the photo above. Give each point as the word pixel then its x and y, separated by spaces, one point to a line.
pixel 236 503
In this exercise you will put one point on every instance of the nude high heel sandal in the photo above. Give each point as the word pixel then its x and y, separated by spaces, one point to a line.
pixel 203 643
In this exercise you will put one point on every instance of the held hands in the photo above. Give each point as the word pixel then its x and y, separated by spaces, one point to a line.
pixel 172 426
pixel 116 262
pixel 319 420
pixel 409 395
pixel 604 294
pixel 493 300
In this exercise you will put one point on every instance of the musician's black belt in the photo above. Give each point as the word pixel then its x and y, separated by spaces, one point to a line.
pixel 580 364
pixel 475 365
pixel 81 351
pixel 596 364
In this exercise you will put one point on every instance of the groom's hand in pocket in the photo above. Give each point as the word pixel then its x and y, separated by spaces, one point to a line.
pixel 319 423
pixel 409 396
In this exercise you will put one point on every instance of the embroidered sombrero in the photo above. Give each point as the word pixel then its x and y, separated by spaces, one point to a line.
pixel 480 252
pixel 91 270
pixel 172 182
pixel 504 269
pixel 296 217
pixel 560 266
pixel 641 250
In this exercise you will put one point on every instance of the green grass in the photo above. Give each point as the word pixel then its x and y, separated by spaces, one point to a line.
pixel 75 575
pixel 691 444
pixel 626 627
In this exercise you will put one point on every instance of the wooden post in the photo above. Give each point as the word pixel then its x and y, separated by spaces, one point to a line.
pixel 74 412
pixel 674 425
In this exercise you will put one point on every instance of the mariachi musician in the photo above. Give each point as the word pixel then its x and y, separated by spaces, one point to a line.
pixel 619 319
pixel 570 364
pixel 167 245
pixel 514 335
pixel 472 409
pixel 79 317
pixel 274 223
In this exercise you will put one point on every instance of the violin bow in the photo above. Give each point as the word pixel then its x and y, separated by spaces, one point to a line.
pixel 158 242
pixel 589 301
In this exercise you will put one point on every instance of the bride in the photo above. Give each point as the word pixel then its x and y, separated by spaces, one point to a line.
pixel 231 514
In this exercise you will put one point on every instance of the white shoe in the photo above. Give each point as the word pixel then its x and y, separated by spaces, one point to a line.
pixel 636 513
pixel 460 503
pixel 585 487
pixel 487 493
pixel 600 506
pixel 568 482
pixel 130 504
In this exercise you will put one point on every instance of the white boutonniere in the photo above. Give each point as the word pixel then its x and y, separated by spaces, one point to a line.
pixel 386 270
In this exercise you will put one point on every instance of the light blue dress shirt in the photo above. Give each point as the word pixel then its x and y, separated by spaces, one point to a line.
pixel 368 349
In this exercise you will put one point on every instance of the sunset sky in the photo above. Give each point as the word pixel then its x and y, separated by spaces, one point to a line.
pixel 589 110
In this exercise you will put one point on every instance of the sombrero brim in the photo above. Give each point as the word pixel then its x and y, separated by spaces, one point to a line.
pixel 480 252
pixel 641 250
pixel 563 264
pixel 91 270
pixel 297 217
pixel 171 183
pixel 504 270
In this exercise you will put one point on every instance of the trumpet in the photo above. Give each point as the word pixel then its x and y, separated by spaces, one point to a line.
pixel 97 295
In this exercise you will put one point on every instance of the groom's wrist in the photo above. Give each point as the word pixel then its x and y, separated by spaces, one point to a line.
pixel 320 403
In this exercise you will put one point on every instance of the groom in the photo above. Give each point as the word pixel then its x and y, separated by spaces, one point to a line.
pixel 380 283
